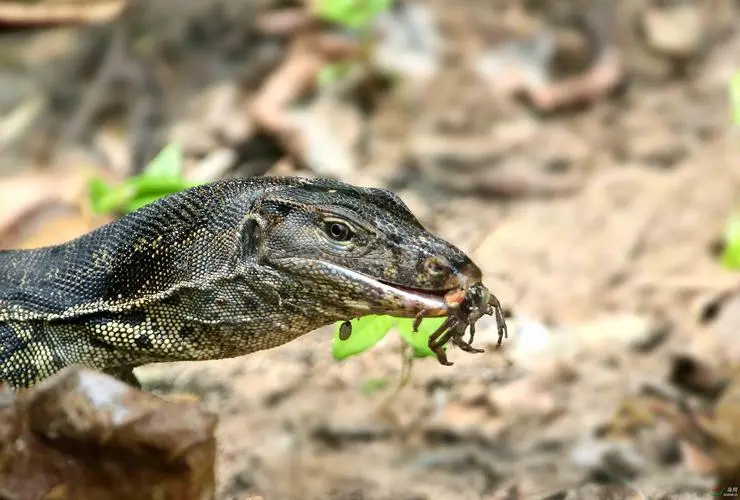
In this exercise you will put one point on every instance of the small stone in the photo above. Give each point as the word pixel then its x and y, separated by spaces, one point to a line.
pixel 524 397
pixel 676 30
pixel 591 491
pixel 695 459
pixel 473 395
pixel 608 334
pixel 608 458
pixel 657 148
pixel 338 430
pixel 666 445
pixel 725 327
pixel 696 376
pixel 459 422
pixel 277 384
pixel 531 340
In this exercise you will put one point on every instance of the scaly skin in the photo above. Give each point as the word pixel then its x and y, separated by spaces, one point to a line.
pixel 219 271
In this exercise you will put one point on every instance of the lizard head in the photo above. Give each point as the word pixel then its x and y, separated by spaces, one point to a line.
pixel 361 247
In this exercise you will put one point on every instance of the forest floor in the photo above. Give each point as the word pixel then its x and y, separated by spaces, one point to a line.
pixel 598 226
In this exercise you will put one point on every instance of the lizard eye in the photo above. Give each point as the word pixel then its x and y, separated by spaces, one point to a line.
pixel 338 231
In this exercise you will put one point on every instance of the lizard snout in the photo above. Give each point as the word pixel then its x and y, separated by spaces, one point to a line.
pixel 449 274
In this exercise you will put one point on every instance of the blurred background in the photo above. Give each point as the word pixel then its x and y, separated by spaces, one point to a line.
pixel 584 153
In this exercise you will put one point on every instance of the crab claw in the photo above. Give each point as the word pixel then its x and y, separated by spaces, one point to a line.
pixel 500 321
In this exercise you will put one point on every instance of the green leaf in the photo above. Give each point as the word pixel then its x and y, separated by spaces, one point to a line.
pixel 148 190
pixel 161 177
pixel 150 186
pixel 351 13
pixel 366 332
pixel 419 341
pixel 735 98
pixel 114 200
pixel 332 73
pixel 141 201
pixel 168 163
pixel 372 385
pixel 97 190
pixel 731 253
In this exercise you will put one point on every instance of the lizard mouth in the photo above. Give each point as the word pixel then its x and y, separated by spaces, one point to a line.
pixel 380 297
pixel 418 291
pixel 413 300
pixel 393 299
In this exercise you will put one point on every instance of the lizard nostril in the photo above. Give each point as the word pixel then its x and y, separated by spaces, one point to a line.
pixel 435 266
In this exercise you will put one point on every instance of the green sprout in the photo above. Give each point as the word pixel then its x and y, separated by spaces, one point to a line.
pixel 735 98
pixel 161 177
pixel 369 330
pixel 373 385
pixel 356 15
pixel 731 254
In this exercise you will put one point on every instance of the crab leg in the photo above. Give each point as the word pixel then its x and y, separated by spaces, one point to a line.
pixel 437 347
pixel 500 321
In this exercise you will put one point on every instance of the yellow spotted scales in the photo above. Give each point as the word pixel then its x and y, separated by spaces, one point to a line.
pixel 219 271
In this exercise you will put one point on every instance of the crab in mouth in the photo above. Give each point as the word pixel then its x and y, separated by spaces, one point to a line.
pixel 466 305
pixel 463 306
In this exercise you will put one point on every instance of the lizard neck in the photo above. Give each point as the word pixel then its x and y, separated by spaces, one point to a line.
pixel 228 315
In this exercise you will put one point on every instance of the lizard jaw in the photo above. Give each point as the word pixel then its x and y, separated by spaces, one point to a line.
pixel 406 301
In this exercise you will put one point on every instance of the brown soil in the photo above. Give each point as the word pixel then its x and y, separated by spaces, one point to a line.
pixel 629 248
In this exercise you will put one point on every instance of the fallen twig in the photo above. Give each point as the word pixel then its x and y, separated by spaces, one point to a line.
pixel 46 14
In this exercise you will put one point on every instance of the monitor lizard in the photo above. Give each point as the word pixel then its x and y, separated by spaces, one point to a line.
pixel 219 271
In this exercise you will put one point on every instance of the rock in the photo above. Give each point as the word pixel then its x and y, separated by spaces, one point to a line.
pixel 83 434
